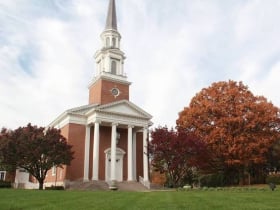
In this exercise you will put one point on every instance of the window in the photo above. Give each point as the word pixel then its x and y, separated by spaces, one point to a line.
pixel 107 42
pixel 114 42
pixel 2 175
pixel 53 170
pixel 114 67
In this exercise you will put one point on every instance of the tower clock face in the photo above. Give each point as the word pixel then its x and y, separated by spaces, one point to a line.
pixel 115 92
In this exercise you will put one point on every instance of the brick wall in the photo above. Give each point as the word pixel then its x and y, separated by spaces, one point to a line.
pixel 100 92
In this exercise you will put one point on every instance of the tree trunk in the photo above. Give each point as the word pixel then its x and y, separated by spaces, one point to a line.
pixel 41 184
pixel 241 177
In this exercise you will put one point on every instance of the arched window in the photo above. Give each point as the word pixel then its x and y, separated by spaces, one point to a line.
pixel 114 67
pixel 107 42
pixel 114 42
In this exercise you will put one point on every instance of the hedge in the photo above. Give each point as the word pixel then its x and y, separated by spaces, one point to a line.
pixel 273 178
pixel 4 184
pixel 212 180
pixel 54 188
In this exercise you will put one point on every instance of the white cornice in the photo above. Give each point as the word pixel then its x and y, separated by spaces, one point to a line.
pixel 112 51
pixel 110 32
pixel 109 113
pixel 67 118
pixel 121 120
pixel 145 115
pixel 110 77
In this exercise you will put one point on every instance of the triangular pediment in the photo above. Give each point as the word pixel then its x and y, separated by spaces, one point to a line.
pixel 82 114
pixel 124 107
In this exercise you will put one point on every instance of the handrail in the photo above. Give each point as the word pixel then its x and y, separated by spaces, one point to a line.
pixel 145 183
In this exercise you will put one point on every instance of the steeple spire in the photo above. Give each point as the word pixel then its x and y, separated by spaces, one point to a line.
pixel 111 22
pixel 110 75
pixel 110 59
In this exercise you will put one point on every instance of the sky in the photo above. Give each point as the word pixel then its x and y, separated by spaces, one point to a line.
pixel 173 50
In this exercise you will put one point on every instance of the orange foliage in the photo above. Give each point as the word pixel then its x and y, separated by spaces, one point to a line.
pixel 238 127
pixel 158 178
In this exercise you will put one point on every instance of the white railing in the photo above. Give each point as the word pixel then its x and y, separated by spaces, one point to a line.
pixel 146 183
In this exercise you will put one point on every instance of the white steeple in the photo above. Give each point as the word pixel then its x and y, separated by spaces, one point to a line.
pixel 110 59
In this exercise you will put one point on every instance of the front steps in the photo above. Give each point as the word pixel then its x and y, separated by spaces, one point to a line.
pixel 103 186
pixel 90 185
pixel 131 186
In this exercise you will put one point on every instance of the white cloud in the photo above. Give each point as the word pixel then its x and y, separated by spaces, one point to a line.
pixel 173 49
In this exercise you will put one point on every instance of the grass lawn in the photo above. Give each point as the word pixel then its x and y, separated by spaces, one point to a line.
pixel 190 200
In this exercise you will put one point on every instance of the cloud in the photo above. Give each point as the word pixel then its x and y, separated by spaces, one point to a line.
pixel 173 49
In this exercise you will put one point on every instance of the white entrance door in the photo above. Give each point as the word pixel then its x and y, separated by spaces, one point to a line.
pixel 119 164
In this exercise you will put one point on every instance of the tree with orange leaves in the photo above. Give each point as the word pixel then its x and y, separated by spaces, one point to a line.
pixel 238 127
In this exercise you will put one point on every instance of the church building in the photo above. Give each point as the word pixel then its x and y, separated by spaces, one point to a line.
pixel 110 134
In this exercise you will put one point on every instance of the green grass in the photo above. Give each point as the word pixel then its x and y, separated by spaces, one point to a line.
pixel 11 199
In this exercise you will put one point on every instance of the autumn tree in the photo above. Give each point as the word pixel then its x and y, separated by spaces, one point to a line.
pixel 273 157
pixel 238 127
pixel 176 154
pixel 2 145
pixel 36 150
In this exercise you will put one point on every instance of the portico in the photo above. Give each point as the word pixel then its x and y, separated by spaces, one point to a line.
pixel 130 125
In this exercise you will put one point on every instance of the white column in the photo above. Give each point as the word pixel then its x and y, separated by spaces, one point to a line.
pixel 134 155
pixel 95 167
pixel 145 154
pixel 86 158
pixel 113 151
pixel 129 154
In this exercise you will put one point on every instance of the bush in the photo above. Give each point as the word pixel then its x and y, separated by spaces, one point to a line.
pixel 274 178
pixel 212 180
pixel 4 184
pixel 54 188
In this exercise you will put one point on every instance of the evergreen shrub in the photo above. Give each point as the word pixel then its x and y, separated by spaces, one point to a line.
pixel 212 180
pixel 4 184
pixel 54 188
pixel 273 178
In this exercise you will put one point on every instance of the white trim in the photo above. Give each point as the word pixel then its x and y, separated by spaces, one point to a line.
pixel 95 157
pixel 68 118
pixel 119 156
pixel 145 155
pixel 54 170
pixel 113 152
pixel 119 151
pixel 87 151
pixel 134 155
pixel 88 114
pixel 129 154
pixel 121 119
pixel 143 113
pixel 109 77
pixel 3 175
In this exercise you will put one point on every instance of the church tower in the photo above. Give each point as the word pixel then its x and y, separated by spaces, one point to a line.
pixel 109 135
pixel 110 82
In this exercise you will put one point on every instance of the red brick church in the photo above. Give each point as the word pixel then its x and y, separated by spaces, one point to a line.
pixel 110 134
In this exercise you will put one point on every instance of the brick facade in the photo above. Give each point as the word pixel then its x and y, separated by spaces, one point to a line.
pixel 101 92
pixel 125 119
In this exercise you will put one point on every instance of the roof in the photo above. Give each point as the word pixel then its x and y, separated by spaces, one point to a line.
pixel 82 110
pixel 122 109
pixel 111 22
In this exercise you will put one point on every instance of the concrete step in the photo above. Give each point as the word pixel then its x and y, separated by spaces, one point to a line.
pixel 90 185
pixel 103 186
pixel 131 186
pixel 156 186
